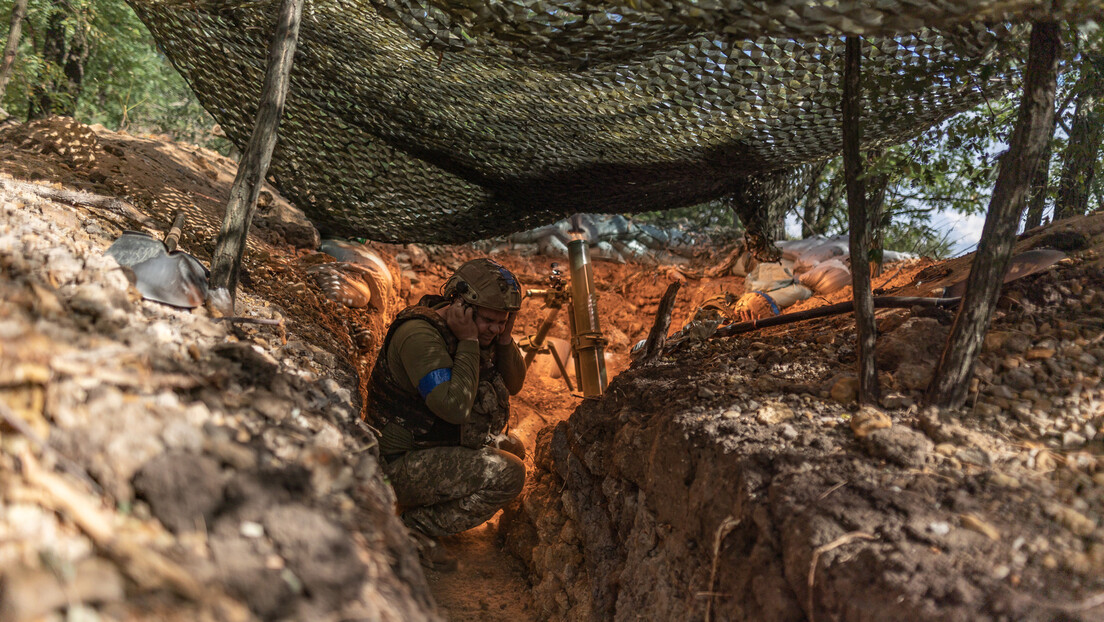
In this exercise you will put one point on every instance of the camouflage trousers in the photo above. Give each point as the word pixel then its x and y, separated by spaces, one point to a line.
pixel 446 490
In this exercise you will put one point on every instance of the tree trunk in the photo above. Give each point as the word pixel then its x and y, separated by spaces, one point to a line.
pixel 227 260
pixel 1079 159
pixel 1033 126
pixel 812 202
pixel 859 221
pixel 809 216
pixel 875 206
pixel 1040 183
pixel 19 11
pixel 58 93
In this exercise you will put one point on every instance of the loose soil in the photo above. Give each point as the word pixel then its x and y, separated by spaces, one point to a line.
pixel 705 485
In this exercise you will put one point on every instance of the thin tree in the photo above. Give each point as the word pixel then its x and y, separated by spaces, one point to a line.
pixel 1040 183
pixel 15 33
pixel 1080 157
pixel 859 221
pixel 227 260
pixel 66 49
pixel 1033 126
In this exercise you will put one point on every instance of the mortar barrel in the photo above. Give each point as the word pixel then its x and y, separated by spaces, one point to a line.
pixel 586 339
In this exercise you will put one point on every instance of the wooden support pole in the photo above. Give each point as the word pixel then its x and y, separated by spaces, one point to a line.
pixel 227 261
pixel 1034 123
pixel 657 337
pixel 858 221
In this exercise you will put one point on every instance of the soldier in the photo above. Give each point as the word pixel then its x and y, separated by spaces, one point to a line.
pixel 439 396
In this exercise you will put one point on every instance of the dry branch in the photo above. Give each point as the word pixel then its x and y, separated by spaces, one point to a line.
pixel 880 302
pixel 19 11
pixel 658 335
pixel 227 260
pixel 83 199
pixel 725 528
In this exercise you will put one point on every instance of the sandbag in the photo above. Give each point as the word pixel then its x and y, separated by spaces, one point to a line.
pixel 792 249
pixel 832 248
pixel 892 256
pixel 827 277
pixel 786 296
pixel 778 282
pixel 768 277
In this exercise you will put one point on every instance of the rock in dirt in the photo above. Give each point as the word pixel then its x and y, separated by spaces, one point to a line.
pixel 319 552
pixel 251 569
pixel 900 445
pixel 918 341
pixel 845 389
pixel 183 490
pixel 867 420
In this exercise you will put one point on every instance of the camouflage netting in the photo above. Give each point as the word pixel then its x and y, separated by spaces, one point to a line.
pixel 450 121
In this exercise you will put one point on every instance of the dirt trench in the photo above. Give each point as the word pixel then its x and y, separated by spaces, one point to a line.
pixel 735 479
pixel 727 480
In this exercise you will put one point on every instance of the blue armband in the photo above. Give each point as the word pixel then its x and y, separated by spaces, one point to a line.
pixel 770 301
pixel 430 381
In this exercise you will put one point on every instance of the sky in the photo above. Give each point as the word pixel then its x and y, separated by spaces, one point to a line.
pixel 965 231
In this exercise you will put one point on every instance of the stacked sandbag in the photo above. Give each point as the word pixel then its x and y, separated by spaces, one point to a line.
pixel 822 263
pixel 824 250
pixel 792 249
pixel 612 238
pixel 827 277
pixel 776 280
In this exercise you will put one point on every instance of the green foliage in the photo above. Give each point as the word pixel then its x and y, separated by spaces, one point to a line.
pixel 128 83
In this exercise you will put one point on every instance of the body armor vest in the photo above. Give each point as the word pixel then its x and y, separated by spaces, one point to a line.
pixel 390 402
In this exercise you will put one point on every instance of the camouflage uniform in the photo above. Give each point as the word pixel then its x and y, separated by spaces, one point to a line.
pixel 447 490
pixel 448 479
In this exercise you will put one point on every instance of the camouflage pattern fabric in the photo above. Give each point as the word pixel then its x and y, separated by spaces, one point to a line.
pixel 489 413
pixel 446 490
pixel 435 121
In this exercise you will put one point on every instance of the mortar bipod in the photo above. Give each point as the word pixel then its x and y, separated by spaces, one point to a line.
pixel 554 298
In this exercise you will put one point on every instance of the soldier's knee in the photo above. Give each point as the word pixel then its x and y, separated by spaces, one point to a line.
pixel 516 478
pixel 510 469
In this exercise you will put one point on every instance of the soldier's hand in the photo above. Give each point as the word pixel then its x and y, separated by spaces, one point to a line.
pixel 506 336
pixel 461 320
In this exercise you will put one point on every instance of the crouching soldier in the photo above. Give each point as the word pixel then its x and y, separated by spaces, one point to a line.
pixel 439 395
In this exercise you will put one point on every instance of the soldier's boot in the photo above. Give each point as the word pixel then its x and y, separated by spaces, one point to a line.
pixel 432 554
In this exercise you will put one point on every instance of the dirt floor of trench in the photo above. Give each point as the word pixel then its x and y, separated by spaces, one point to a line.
pixel 1047 456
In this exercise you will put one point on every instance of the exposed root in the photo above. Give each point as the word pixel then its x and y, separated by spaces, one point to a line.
pixel 834 544
pixel 725 528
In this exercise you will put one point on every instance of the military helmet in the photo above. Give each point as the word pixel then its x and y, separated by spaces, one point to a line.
pixel 485 283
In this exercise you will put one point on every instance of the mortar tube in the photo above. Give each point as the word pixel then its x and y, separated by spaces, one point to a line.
pixel 587 340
